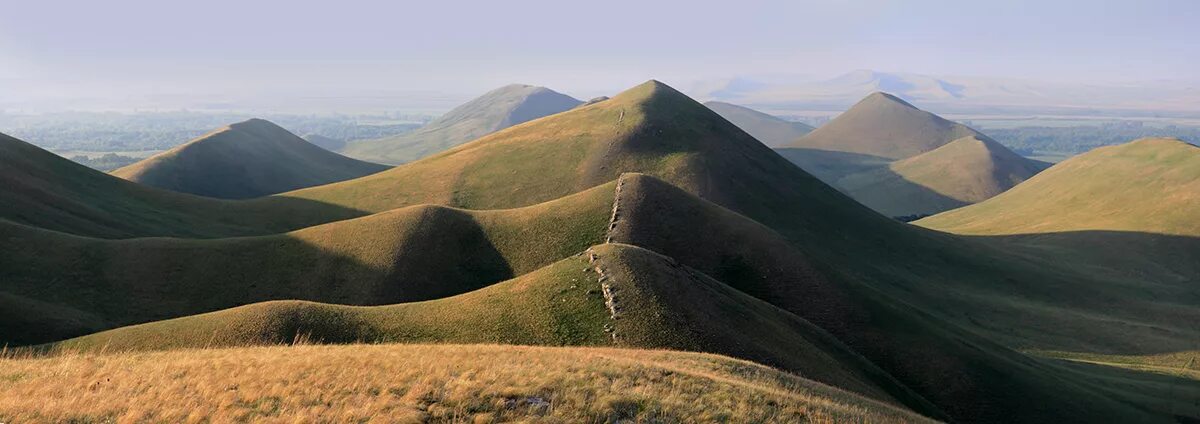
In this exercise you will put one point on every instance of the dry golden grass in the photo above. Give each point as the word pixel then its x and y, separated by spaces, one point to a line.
pixel 419 383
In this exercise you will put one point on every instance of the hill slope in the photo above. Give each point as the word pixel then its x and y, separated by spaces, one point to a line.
pixel 244 160
pixel 415 253
pixel 497 109
pixel 655 303
pixel 964 171
pixel 883 125
pixel 1149 185
pixel 41 189
pixel 770 130
pixel 439 383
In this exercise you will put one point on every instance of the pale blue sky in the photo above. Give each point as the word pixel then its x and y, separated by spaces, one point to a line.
pixel 217 46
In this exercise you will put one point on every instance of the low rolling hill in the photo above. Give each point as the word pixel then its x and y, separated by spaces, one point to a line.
pixel 1149 185
pixel 965 171
pixel 418 383
pixel 884 125
pixel 902 161
pixel 244 160
pixel 611 294
pixel 770 130
pixel 44 190
pixel 497 109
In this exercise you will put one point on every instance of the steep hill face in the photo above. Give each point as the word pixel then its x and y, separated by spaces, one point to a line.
pixel 41 189
pixel 883 125
pixel 965 171
pixel 1149 185
pixel 497 109
pixel 244 160
pixel 770 130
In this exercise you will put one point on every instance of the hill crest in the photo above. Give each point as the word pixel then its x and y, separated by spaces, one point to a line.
pixel 885 125
pixel 247 159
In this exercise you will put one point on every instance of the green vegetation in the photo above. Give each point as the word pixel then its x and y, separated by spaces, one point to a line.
pixel 416 253
pixel 496 110
pixel 1149 185
pixel 771 130
pixel 946 317
pixel 244 160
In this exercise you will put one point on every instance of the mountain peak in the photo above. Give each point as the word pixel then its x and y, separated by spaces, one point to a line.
pixel 883 98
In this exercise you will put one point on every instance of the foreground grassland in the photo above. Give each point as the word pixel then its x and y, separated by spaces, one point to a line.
pixel 419 383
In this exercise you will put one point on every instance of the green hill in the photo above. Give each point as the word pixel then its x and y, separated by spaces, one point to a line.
pixel 658 304
pixel 883 125
pixel 942 314
pixel 903 161
pixel 244 160
pixel 415 253
pixel 1149 185
pixel 964 171
pixel 496 110
pixel 770 130
pixel 44 190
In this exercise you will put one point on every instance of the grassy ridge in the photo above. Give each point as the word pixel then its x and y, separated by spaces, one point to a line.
pixel 416 253
pixel 423 383
pixel 659 305
pixel 1149 185
pixel 244 160
pixel 44 190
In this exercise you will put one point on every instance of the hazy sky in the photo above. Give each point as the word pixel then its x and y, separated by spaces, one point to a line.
pixel 58 48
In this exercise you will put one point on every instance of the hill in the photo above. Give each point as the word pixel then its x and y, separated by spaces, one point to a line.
pixel 497 109
pixel 244 160
pixel 416 253
pixel 414 383
pixel 44 190
pixel 941 314
pixel 965 171
pixel 1148 185
pixel 885 126
pixel 641 300
pixel 770 130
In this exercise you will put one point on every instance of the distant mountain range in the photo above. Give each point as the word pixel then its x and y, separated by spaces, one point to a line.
pixel 955 94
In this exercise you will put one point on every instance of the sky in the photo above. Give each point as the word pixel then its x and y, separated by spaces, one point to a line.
pixel 130 49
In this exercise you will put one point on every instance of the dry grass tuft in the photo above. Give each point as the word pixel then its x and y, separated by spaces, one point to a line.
pixel 419 383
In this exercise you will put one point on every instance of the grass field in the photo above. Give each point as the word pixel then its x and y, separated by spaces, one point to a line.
pixel 420 383
pixel 1149 185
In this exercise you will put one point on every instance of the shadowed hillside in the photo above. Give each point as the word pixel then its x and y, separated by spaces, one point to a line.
pixel 247 159
pixel 327 143
pixel 642 299
pixel 497 109
pixel 44 190
pixel 415 253
pixel 1149 185
pixel 962 172
pixel 439 383
pixel 771 130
